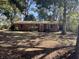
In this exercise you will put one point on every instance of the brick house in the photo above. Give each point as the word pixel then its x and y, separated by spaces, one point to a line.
pixel 43 26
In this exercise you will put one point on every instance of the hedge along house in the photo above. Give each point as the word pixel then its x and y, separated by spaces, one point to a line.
pixel 44 26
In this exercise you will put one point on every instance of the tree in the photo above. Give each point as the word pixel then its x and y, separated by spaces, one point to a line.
pixel 77 46
pixel 30 18
pixel 64 17
pixel 65 4
pixel 23 6
pixel 7 9
pixel 42 14
pixel 77 41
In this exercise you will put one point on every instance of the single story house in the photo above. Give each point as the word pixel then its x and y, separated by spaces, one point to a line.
pixel 42 26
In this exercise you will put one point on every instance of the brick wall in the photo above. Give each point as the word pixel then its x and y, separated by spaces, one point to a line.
pixel 36 27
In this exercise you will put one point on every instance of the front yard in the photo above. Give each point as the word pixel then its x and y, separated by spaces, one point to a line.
pixel 36 45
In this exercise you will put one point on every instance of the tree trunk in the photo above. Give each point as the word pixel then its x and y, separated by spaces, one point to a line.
pixel 11 19
pixel 64 20
pixel 11 26
pixel 77 46
pixel 26 10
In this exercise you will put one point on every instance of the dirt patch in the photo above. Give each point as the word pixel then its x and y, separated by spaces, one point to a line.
pixel 34 45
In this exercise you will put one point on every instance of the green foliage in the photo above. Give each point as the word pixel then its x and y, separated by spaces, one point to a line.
pixel 4 24
pixel 74 25
pixel 74 21
pixel 9 9
pixel 52 6
pixel 12 6
pixel 16 6
pixel 42 14
pixel 30 18
pixel 20 4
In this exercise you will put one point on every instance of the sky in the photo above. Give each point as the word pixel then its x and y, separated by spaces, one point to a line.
pixel 31 11
pixel 32 8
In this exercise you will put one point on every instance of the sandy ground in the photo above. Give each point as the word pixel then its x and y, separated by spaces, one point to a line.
pixel 35 45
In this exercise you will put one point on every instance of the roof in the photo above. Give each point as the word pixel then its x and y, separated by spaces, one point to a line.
pixel 35 22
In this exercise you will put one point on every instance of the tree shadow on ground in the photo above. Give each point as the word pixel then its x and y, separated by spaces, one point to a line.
pixel 12 51
pixel 45 51
pixel 11 42
pixel 72 56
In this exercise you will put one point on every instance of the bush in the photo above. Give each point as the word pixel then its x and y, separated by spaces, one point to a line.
pixel 73 25
pixel 3 27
